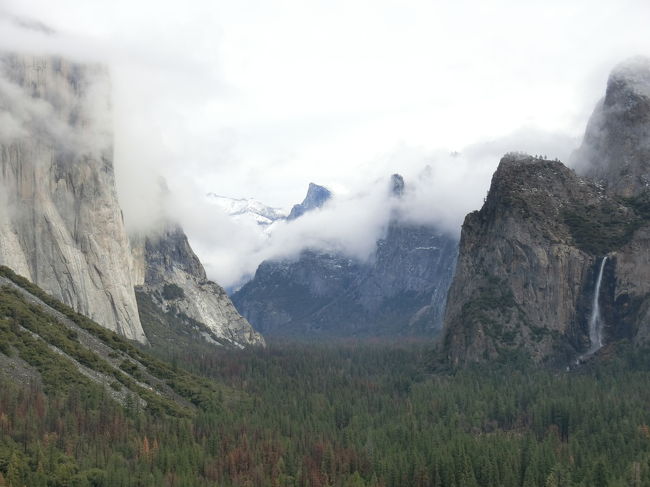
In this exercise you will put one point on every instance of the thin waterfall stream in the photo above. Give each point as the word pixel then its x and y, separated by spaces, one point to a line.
pixel 595 321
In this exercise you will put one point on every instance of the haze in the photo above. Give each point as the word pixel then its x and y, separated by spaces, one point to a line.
pixel 258 98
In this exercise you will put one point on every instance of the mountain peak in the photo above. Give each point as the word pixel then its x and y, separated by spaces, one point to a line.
pixel 247 209
pixel 523 171
pixel 532 185
pixel 316 197
pixel 631 77
pixel 616 147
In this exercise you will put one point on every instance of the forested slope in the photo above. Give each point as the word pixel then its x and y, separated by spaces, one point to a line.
pixel 350 414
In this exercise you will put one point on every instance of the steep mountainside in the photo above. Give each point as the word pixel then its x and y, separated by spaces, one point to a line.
pixel 175 297
pixel 60 222
pixel 554 266
pixel 316 197
pixel 400 291
pixel 520 277
pixel 529 265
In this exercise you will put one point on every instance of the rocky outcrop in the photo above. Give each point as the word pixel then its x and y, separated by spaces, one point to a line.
pixel 401 290
pixel 528 263
pixel 519 277
pixel 316 197
pixel 170 274
pixel 626 296
pixel 616 146
pixel 60 222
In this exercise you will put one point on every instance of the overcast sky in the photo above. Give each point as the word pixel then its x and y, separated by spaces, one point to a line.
pixel 250 98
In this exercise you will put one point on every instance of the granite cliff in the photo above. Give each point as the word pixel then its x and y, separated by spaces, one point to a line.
pixel 529 261
pixel 60 222
pixel 61 226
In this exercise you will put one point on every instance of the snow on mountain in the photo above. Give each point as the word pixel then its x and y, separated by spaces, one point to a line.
pixel 247 209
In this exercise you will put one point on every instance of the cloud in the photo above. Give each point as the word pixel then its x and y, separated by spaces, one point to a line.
pixel 441 188
pixel 12 129
pixel 453 184
pixel 256 99
pixel 54 115
pixel 348 224
pixel 158 90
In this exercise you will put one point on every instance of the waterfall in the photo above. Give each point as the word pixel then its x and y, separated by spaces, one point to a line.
pixel 595 322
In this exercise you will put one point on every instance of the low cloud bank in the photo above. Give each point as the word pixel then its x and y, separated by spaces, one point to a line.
pixel 440 189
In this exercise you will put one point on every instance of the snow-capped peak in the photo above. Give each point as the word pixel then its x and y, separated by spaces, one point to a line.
pixel 247 209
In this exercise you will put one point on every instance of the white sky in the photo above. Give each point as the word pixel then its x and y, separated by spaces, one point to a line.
pixel 295 91
pixel 256 98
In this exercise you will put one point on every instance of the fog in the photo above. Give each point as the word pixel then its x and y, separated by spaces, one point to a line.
pixel 257 99
pixel 55 116
pixel 440 189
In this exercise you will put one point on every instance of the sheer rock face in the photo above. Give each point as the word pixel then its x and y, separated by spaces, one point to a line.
pixel 528 262
pixel 60 222
pixel 626 297
pixel 529 259
pixel 616 146
pixel 167 269
pixel 519 277
pixel 316 197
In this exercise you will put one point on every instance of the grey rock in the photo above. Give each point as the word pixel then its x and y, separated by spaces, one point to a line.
pixel 616 145
pixel 400 291
pixel 170 273
pixel 529 259
pixel 519 276
pixel 60 222
pixel 528 263
pixel 316 197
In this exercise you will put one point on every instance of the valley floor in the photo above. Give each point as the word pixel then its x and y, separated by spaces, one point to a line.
pixel 350 414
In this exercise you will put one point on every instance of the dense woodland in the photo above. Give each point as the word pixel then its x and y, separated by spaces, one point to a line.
pixel 355 414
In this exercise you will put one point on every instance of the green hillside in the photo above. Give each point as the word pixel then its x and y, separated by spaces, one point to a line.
pixel 63 350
